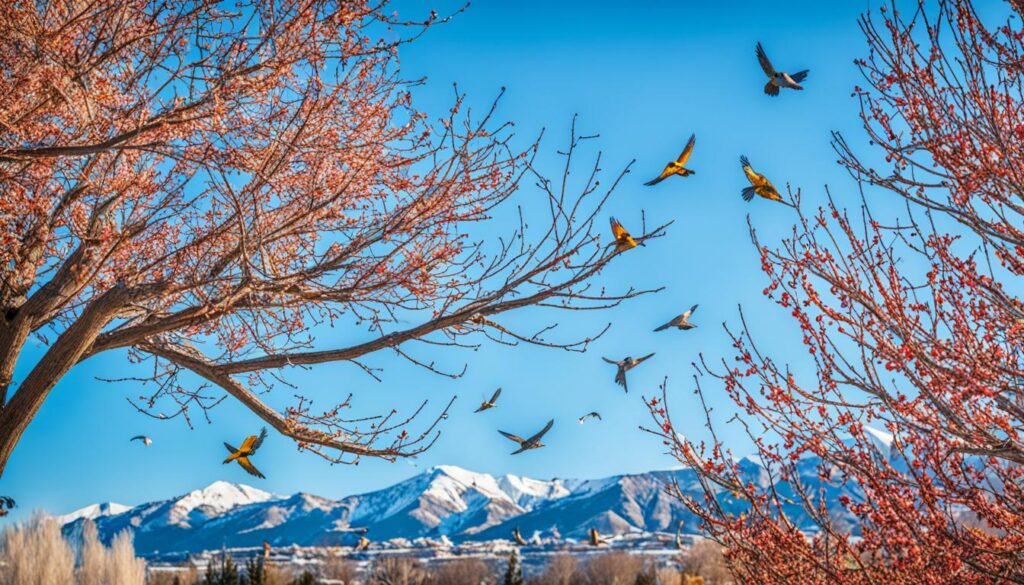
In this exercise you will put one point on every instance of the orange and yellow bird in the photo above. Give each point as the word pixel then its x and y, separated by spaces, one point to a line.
pixel 248 449
pixel 760 185
pixel 678 166
pixel 623 241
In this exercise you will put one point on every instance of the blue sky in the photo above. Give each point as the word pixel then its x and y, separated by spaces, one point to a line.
pixel 644 78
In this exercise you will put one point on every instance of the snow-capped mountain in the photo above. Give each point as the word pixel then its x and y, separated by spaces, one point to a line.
pixel 94 511
pixel 444 502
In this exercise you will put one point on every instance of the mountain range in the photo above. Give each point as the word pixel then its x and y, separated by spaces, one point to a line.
pixel 444 502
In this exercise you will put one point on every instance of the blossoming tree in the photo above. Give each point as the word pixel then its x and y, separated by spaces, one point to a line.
pixel 201 184
pixel 914 326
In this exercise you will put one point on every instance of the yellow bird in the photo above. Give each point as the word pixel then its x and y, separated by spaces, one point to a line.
pixel 248 448
pixel 678 166
pixel 623 241
pixel 760 185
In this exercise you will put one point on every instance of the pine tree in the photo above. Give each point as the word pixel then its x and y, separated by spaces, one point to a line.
pixel 514 574
pixel 255 572
pixel 227 574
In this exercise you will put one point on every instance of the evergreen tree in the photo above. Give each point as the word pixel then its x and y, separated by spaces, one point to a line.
pixel 226 574
pixel 514 574
pixel 255 572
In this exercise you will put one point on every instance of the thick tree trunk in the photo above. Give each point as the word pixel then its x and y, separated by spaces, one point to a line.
pixel 61 357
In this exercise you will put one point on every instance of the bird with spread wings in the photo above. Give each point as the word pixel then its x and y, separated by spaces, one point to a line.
pixel 530 443
pixel 680 321
pixel 778 79
pixel 623 241
pixel 759 184
pixel 626 364
pixel 248 449
pixel 486 404
pixel 678 166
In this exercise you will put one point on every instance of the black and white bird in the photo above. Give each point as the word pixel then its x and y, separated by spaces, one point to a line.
pixel 145 440
pixel 680 321
pixel 530 443
pixel 595 537
pixel 626 364
pixel 778 79
pixel 486 404
pixel 590 415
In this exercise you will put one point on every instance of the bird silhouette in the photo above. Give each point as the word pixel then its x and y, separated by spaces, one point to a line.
pixel 626 364
pixel 6 504
pixel 364 543
pixel 518 537
pixel 678 166
pixel 680 321
pixel 486 404
pixel 531 443
pixel 759 184
pixel 594 414
pixel 623 241
pixel 248 448
pixel 778 79
pixel 595 537
pixel 145 440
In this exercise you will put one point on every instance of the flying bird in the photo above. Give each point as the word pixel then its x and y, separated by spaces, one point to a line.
pixel 679 536
pixel 678 166
pixel 248 448
pixel 518 537
pixel 778 79
pixel 680 321
pixel 531 443
pixel 589 415
pixel 364 543
pixel 626 365
pixel 145 440
pixel 6 504
pixel 489 403
pixel 623 241
pixel 595 537
pixel 759 184
pixel 266 550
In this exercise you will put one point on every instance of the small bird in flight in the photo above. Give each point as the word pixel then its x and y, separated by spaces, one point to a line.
pixel 531 443
pixel 486 404
pixel 248 448
pixel 676 167
pixel 266 550
pixel 590 415
pixel 364 543
pixel 6 504
pixel 626 365
pixel 679 536
pixel 518 537
pixel 145 440
pixel 623 241
pixel 778 79
pixel 760 185
pixel 595 537
pixel 680 321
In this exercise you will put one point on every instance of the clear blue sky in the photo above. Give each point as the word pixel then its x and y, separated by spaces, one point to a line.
pixel 644 77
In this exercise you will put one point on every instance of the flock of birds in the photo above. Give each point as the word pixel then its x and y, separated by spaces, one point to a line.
pixel 759 186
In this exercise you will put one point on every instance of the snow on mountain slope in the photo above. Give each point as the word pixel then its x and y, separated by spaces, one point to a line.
pixel 444 502
pixel 94 511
